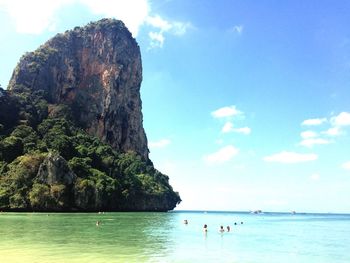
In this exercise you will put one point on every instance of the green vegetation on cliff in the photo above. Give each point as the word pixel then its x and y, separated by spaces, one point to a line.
pixel 47 163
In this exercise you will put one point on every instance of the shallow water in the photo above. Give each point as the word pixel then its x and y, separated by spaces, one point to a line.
pixel 162 237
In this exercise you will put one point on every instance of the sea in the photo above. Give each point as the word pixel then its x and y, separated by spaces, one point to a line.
pixel 164 237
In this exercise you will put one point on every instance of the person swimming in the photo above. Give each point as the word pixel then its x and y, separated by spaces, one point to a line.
pixel 221 230
pixel 205 228
pixel 98 222
pixel 228 228
pixel 185 222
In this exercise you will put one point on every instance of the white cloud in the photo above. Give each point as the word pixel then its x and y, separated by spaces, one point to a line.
pixel 33 17
pixel 223 155
pixel 176 27
pixel 158 22
pixel 312 141
pixel 336 123
pixel 37 16
pixel 334 131
pixel 133 13
pixel 159 144
pixel 315 177
pixel 228 111
pixel 290 157
pixel 228 127
pixel 313 122
pixel 346 165
pixel 308 134
pixel 163 26
pixel 343 119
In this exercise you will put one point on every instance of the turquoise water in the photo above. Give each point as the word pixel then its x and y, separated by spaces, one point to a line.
pixel 162 237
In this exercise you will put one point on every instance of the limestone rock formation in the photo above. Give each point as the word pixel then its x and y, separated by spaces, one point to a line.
pixel 71 131
pixel 55 170
pixel 97 71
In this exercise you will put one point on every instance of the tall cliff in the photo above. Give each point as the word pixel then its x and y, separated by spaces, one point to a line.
pixel 96 70
pixel 71 133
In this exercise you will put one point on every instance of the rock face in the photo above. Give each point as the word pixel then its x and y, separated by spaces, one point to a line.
pixel 97 71
pixel 54 170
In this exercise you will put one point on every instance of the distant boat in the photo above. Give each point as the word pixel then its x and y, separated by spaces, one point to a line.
pixel 256 212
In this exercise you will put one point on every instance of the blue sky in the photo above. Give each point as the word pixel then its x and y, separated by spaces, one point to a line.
pixel 246 104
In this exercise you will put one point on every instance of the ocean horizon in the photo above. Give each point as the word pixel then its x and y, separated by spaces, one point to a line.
pixel 184 211
pixel 252 212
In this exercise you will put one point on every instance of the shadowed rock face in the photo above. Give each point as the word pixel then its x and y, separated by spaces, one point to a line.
pixel 8 110
pixel 54 170
pixel 97 71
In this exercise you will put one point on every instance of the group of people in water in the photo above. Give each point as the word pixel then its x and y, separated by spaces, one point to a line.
pixel 205 227
pixel 221 229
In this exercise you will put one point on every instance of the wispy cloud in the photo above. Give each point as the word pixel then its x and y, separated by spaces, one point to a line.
pixel 157 39
pixel 181 28
pixel 159 144
pixel 228 127
pixel 313 141
pixel 228 114
pixel 313 122
pixel 243 130
pixel 308 134
pixel 346 165
pixel 158 22
pixel 334 131
pixel 228 111
pixel 311 138
pixel 238 29
pixel 290 157
pixel 221 156
pixel 163 26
